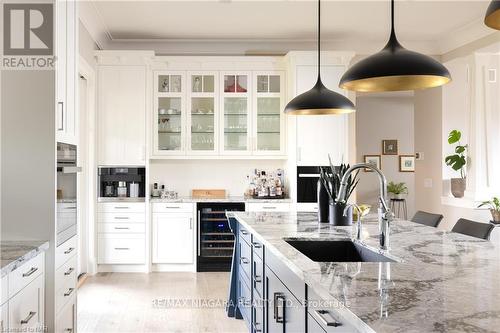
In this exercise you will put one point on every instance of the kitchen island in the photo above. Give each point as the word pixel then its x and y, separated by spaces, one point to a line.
pixel 432 281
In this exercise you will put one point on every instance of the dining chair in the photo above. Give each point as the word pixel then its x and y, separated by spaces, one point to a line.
pixel 429 219
pixel 474 229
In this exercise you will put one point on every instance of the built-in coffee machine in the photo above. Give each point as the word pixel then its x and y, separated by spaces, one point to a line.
pixel 121 183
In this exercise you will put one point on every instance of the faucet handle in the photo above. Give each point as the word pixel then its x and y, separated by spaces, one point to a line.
pixel 354 206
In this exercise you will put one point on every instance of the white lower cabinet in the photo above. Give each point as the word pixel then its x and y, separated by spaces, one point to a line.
pixel 121 233
pixel 26 308
pixel 66 320
pixel 121 249
pixel 173 235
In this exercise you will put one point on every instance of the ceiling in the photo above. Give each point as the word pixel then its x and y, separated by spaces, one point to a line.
pixel 357 25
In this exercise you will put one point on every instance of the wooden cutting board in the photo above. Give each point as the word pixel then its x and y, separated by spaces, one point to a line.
pixel 208 194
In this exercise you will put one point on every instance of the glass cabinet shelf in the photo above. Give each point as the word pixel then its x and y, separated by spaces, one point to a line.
pixel 202 113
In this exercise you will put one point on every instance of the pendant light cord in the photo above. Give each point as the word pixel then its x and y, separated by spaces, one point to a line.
pixel 393 30
pixel 319 40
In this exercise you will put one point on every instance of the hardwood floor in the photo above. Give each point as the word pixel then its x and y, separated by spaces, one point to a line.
pixel 135 302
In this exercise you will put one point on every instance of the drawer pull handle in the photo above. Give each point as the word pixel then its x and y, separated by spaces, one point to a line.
pixel 69 271
pixel 257 245
pixel 173 207
pixel 30 272
pixel 69 292
pixel 28 318
pixel 122 248
pixel 68 251
pixel 255 329
pixel 257 278
pixel 244 232
pixel 122 228
pixel 71 207
pixel 244 260
pixel 269 207
pixel 279 297
pixel 326 321
pixel 70 330
pixel 121 207
pixel 122 217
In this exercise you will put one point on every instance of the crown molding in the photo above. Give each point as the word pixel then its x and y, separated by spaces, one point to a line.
pixel 92 21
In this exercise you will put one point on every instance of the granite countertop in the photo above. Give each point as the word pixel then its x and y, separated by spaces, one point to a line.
pixel 226 199
pixel 443 282
pixel 14 253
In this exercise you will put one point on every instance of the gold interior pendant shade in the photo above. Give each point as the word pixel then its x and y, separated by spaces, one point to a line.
pixel 319 100
pixel 395 68
pixel 492 18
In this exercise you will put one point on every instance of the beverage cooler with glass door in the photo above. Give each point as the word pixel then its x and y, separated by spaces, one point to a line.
pixel 215 239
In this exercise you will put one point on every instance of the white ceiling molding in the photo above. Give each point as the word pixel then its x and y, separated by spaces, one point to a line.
pixel 93 22
pixel 463 35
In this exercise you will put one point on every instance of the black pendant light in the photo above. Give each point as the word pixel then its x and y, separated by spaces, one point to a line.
pixel 319 100
pixel 492 18
pixel 395 68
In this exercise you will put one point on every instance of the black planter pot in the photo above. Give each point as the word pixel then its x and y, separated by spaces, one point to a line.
pixel 336 215
pixel 323 203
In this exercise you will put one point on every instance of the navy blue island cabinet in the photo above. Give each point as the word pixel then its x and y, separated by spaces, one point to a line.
pixel 267 295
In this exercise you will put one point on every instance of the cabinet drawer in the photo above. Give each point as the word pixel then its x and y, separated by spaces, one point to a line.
pixel 173 208
pixel 245 261
pixel 121 228
pixel 258 247
pixel 245 235
pixel 328 317
pixel 65 292
pixel 245 302
pixel 24 274
pixel 268 207
pixel 121 249
pixel 258 277
pixel 121 207
pixel 65 273
pixel 26 309
pixel 66 319
pixel 123 217
pixel 65 251
pixel 258 316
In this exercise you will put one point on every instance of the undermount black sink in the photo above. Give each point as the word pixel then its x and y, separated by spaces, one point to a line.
pixel 337 251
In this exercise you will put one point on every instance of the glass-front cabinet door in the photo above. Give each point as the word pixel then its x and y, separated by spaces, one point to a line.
pixel 169 113
pixel 203 113
pixel 268 121
pixel 236 113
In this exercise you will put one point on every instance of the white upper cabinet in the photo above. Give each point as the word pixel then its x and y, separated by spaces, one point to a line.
pixel 121 115
pixel 203 111
pixel 170 113
pixel 320 136
pixel 268 118
pixel 236 115
pixel 226 114
pixel 66 72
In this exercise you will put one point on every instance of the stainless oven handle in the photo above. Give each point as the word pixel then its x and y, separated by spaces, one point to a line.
pixel 199 233
pixel 309 175
pixel 68 169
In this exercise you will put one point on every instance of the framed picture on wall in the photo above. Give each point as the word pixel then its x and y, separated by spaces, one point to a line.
pixel 406 163
pixel 375 160
pixel 389 147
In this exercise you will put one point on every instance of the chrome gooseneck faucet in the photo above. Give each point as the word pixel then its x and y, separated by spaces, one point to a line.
pixel 385 215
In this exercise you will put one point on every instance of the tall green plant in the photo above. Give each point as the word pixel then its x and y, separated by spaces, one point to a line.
pixel 458 160
pixel 331 178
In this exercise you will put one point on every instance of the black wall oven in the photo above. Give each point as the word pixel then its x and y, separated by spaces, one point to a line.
pixel 215 239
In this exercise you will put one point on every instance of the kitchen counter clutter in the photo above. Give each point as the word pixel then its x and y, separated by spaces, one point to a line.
pixel 226 199
pixel 15 253
pixel 436 281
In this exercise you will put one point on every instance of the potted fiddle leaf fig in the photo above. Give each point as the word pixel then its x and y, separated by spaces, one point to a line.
pixel 494 207
pixel 457 162
pixel 397 190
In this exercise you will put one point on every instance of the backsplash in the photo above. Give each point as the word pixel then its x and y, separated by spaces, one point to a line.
pixel 184 175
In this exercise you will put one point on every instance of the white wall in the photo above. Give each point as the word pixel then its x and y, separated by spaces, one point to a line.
pixel 379 118
pixel 86 45
pixel 184 175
